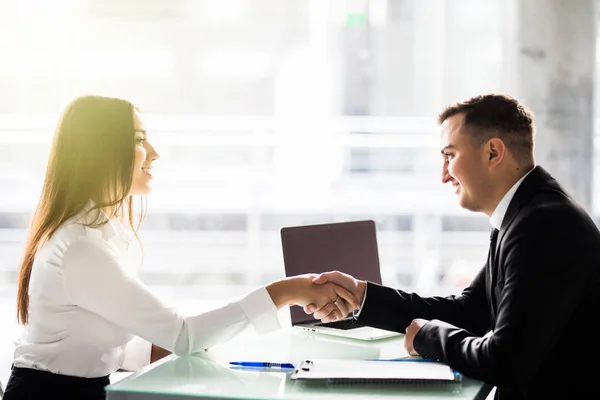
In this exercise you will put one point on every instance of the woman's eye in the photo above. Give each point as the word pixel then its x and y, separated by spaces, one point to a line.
pixel 141 141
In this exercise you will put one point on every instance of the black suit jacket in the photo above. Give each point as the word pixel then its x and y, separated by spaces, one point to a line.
pixel 527 324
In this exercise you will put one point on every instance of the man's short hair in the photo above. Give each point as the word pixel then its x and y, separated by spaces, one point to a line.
pixel 497 115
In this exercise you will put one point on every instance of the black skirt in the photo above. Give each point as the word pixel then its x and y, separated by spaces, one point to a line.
pixel 27 383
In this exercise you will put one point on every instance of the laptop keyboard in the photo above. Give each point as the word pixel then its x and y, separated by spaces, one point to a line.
pixel 343 324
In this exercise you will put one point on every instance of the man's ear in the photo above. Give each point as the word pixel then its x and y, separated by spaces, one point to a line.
pixel 495 150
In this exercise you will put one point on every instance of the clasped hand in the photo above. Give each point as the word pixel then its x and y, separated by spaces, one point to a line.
pixel 333 301
pixel 353 292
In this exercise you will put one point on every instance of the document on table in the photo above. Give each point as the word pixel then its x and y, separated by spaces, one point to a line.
pixel 340 370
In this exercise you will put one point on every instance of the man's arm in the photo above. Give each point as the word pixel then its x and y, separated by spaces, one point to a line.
pixel 546 274
pixel 394 309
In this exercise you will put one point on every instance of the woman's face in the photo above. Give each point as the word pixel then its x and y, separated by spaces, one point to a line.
pixel 145 155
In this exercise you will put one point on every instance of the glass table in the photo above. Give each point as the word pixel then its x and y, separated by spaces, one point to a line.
pixel 208 375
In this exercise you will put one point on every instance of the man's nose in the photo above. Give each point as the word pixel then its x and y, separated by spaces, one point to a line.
pixel 445 174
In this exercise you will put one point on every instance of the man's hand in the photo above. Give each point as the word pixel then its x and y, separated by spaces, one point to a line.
pixel 328 313
pixel 300 290
pixel 411 332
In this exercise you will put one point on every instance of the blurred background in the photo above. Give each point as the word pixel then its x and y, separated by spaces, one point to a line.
pixel 270 113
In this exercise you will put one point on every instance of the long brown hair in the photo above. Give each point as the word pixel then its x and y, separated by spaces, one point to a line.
pixel 91 159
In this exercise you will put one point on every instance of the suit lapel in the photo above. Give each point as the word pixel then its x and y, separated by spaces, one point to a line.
pixel 531 184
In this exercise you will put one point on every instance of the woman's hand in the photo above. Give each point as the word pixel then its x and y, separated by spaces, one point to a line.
pixel 301 290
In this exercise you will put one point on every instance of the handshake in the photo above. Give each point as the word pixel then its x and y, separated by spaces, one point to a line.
pixel 329 296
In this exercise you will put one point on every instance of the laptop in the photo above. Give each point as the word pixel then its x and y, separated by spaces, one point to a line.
pixel 349 247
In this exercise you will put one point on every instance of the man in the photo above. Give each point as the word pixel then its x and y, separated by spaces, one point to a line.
pixel 527 322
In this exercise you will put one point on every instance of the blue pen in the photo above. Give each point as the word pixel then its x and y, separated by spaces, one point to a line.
pixel 257 364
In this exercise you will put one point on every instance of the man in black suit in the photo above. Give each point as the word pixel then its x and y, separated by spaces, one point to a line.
pixel 527 323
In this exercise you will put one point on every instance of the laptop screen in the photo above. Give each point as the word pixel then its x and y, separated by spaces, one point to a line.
pixel 349 247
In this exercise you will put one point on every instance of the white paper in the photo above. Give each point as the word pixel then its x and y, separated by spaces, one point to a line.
pixel 363 369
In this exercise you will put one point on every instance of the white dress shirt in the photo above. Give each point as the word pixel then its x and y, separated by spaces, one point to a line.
pixel 90 315
pixel 498 215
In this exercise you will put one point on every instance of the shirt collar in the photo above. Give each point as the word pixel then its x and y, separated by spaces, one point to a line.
pixel 502 207
pixel 112 229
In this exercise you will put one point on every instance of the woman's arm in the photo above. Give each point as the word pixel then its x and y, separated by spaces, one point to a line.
pixel 96 280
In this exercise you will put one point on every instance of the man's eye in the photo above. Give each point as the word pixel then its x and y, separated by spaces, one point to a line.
pixel 140 141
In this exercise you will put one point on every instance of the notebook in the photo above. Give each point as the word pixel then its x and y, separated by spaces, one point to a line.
pixel 349 247
pixel 371 371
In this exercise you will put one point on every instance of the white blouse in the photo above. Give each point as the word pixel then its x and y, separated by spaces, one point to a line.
pixel 90 315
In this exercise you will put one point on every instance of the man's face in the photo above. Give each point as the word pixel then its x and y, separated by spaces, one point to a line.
pixel 464 165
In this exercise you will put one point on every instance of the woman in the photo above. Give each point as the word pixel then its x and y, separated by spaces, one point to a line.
pixel 84 311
